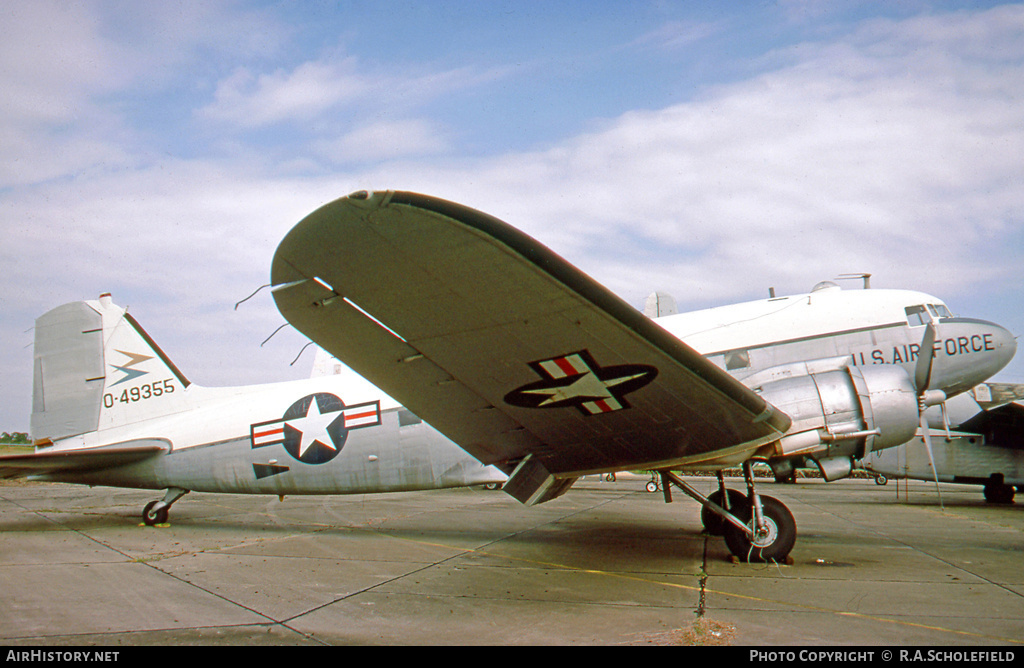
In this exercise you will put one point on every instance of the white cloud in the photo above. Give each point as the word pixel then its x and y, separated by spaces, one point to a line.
pixel 385 140
pixel 320 89
pixel 677 34
pixel 68 69
pixel 309 90
pixel 43 84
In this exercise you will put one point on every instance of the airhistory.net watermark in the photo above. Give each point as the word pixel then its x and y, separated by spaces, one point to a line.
pixel 58 656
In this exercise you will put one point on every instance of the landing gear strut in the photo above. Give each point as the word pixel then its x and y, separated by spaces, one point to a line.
pixel 156 512
pixel 756 528
pixel 731 500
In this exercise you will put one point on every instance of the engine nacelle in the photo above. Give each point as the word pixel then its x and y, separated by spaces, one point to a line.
pixel 843 413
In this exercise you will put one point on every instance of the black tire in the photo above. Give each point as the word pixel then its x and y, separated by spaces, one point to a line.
pixel 153 517
pixel 714 523
pixel 776 545
pixel 999 493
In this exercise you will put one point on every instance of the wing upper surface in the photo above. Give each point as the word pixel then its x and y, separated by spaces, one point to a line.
pixel 501 344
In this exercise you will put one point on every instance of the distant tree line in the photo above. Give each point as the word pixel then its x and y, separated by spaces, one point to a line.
pixel 17 438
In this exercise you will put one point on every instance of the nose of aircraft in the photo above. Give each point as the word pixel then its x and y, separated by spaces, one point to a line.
pixel 969 352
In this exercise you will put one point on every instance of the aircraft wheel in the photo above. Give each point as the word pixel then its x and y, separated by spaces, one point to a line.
pixel 714 523
pixel 652 487
pixel 153 517
pixel 777 541
pixel 881 480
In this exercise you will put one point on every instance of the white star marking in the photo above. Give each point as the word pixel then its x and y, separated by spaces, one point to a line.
pixel 587 385
pixel 313 427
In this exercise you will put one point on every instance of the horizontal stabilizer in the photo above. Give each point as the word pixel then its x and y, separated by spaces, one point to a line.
pixel 79 461
pixel 994 395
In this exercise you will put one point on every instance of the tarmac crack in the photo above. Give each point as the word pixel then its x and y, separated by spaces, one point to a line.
pixel 702 598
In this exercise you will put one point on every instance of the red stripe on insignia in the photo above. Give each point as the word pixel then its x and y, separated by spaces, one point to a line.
pixel 272 432
pixel 350 417
pixel 567 368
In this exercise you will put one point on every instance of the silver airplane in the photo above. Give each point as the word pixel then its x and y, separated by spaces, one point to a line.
pixel 533 367
pixel 109 408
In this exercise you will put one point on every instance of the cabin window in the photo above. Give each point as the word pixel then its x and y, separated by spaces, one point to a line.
pixel 939 311
pixel 917 316
pixel 737 359
pixel 407 418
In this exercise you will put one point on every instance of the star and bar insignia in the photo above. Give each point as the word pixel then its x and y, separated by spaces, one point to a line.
pixel 314 428
pixel 577 380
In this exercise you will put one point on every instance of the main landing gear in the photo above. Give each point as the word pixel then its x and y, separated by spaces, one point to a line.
pixel 755 527
pixel 156 512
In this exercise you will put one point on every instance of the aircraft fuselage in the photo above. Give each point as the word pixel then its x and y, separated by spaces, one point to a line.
pixel 296 437
pixel 870 327
pixel 339 434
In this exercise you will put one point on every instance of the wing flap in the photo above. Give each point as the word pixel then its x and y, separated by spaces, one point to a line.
pixel 502 345
pixel 78 461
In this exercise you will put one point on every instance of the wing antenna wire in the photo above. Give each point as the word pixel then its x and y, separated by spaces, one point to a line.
pixel 237 304
pixel 275 334
pixel 300 353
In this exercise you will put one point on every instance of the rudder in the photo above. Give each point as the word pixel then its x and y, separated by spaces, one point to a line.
pixel 67 377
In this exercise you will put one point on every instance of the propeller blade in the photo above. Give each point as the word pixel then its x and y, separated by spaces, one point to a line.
pixel 925 358
pixel 926 435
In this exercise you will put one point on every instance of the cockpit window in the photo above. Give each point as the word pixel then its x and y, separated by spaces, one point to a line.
pixel 917 315
pixel 737 359
pixel 939 311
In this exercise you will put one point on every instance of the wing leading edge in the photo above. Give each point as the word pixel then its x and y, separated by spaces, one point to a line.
pixel 503 346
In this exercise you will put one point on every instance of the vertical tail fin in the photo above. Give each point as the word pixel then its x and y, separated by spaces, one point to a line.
pixel 660 304
pixel 96 368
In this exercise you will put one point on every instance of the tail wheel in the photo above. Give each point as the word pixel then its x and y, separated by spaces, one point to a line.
pixel 153 516
pixel 714 523
pixel 774 543
pixel 999 493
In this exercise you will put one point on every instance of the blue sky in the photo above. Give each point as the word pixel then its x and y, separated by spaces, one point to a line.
pixel 159 151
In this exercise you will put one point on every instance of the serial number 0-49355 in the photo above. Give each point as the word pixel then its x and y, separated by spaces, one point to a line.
pixel 140 393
